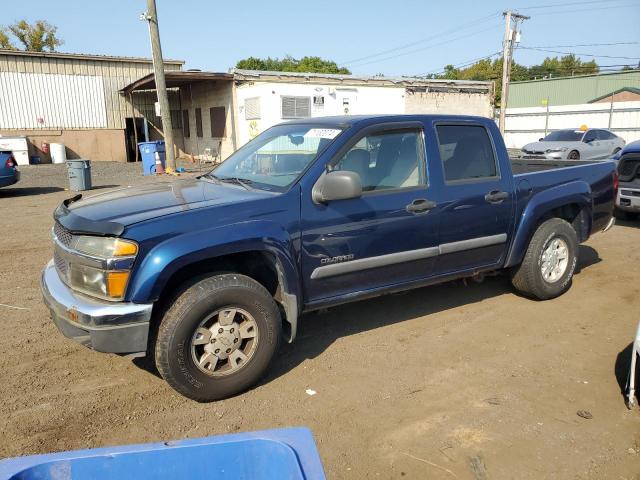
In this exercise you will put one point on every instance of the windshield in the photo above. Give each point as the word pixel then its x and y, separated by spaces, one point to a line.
pixel 564 136
pixel 275 158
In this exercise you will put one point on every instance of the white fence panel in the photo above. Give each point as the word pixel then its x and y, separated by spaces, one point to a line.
pixel 45 101
pixel 525 125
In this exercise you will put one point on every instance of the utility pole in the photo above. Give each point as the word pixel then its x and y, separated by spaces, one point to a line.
pixel 510 37
pixel 151 16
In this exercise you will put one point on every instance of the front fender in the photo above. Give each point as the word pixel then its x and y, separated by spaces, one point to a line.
pixel 167 257
pixel 540 204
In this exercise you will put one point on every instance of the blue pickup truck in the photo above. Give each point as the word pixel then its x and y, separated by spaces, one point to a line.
pixel 208 274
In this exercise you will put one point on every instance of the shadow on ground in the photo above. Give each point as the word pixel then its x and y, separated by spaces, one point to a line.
pixel 27 191
pixel 621 370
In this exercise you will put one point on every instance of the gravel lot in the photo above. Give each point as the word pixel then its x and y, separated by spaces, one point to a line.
pixel 453 381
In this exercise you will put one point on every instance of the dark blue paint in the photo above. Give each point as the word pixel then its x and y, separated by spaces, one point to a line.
pixel 9 173
pixel 190 221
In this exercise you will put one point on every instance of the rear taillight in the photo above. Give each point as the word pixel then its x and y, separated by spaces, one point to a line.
pixel 10 163
pixel 616 183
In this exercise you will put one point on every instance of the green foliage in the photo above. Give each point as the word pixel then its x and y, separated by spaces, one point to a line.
pixel 290 64
pixel 488 70
pixel 5 41
pixel 37 37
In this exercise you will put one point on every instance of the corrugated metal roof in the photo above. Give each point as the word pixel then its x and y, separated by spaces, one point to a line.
pixel 355 79
pixel 83 56
pixel 570 90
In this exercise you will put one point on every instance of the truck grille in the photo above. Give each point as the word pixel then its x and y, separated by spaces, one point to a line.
pixel 629 167
pixel 61 264
pixel 64 236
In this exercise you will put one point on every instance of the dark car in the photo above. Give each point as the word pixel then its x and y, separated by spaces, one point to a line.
pixel 9 173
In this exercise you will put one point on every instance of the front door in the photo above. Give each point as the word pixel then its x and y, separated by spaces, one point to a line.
pixel 476 201
pixel 388 235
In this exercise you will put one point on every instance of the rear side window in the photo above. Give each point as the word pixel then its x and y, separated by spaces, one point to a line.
pixel 466 152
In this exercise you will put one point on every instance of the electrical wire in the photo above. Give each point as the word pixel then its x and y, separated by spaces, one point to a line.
pixel 576 53
pixel 464 26
pixel 584 10
pixel 586 45
pixel 427 47
pixel 552 5
pixel 464 64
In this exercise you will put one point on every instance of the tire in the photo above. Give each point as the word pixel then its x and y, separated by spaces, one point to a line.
pixel 252 326
pixel 528 277
pixel 573 155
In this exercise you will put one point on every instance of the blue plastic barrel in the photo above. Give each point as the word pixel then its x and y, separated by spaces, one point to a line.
pixel 288 453
pixel 148 152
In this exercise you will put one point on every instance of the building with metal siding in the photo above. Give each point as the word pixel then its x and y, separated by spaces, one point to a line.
pixel 75 99
pixel 570 90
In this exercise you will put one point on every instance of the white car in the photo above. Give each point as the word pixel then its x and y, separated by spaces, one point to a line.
pixel 575 144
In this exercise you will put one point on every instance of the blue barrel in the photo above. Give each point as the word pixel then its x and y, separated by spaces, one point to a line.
pixel 271 454
pixel 148 152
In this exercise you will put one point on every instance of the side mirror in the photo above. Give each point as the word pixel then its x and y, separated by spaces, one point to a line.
pixel 589 140
pixel 337 185
pixel 540 139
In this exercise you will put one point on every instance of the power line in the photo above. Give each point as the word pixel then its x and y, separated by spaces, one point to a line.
pixel 464 64
pixel 574 11
pixel 564 4
pixel 586 45
pixel 577 53
pixel 425 47
pixel 464 26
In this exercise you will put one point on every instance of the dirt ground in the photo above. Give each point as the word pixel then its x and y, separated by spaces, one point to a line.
pixel 453 381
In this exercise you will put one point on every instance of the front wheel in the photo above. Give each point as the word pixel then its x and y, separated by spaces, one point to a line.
pixel 218 337
pixel 548 265
pixel 573 155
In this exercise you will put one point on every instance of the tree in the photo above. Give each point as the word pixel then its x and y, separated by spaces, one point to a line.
pixel 36 37
pixel 290 64
pixel 5 41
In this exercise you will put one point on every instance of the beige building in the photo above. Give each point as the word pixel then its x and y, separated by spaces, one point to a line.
pixel 75 100
pixel 222 111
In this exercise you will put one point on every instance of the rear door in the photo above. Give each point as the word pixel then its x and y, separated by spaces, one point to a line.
pixel 476 202
pixel 387 236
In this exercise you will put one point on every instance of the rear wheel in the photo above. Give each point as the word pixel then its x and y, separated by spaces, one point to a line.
pixel 218 337
pixel 574 155
pixel 548 265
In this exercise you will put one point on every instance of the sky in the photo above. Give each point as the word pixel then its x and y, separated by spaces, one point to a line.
pixel 400 37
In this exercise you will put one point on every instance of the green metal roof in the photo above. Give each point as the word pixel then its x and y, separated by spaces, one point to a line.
pixel 570 90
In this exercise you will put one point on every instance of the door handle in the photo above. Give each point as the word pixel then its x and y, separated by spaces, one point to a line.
pixel 496 196
pixel 420 205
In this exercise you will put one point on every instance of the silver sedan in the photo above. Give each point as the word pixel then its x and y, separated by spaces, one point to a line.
pixel 575 144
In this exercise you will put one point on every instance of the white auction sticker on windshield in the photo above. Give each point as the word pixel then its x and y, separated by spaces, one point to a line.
pixel 322 133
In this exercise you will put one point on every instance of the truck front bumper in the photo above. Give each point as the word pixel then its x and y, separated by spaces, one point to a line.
pixel 113 327
pixel 628 199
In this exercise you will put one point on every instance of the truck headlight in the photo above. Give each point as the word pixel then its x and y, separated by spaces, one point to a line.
pixel 104 247
pixel 109 284
pixel 97 266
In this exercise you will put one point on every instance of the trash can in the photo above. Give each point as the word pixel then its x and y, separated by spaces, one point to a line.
pixel 151 153
pixel 79 172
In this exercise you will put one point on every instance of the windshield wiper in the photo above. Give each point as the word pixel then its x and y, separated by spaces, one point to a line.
pixel 244 182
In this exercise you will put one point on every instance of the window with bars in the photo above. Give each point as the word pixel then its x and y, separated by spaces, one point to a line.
pixel 252 108
pixel 186 131
pixel 296 107
pixel 218 118
pixel 199 122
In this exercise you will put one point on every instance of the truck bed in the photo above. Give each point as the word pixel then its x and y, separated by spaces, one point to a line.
pixel 520 165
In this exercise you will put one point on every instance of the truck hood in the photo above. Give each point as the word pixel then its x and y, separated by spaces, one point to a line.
pixel 109 213
pixel 544 146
